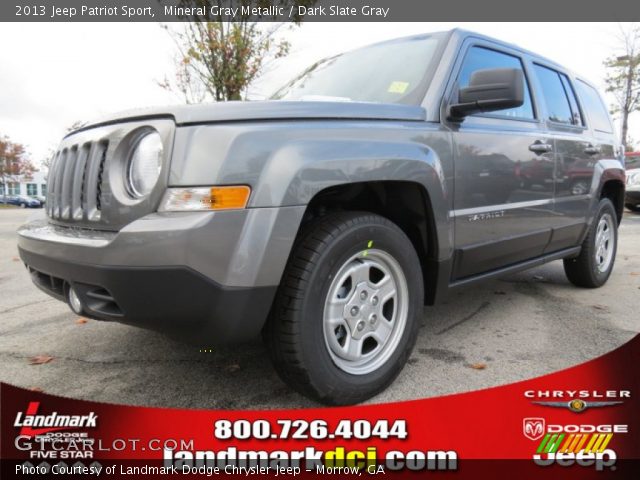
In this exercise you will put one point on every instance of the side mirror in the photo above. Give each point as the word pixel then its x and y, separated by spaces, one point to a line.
pixel 488 91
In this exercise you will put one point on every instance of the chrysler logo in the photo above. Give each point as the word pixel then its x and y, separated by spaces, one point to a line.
pixel 577 405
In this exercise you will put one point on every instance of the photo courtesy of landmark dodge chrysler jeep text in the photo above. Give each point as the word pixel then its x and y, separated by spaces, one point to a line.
pixel 369 186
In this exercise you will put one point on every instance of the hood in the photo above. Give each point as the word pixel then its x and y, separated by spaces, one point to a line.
pixel 270 110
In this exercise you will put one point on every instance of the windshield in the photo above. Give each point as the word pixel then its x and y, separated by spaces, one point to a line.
pixel 390 72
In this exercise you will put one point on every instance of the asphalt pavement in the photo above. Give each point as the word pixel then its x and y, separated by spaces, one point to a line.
pixel 499 332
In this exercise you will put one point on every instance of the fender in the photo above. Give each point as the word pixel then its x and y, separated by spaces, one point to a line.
pixel 304 169
pixel 287 163
pixel 603 171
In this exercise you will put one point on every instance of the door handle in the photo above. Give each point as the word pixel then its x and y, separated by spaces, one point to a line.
pixel 592 150
pixel 540 147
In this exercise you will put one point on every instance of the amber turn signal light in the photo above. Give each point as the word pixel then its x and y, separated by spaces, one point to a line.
pixel 230 197
pixel 226 197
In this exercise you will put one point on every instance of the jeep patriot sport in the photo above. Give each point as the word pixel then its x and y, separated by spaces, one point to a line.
pixel 369 186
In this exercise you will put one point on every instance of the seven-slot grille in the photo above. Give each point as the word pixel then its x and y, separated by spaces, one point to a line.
pixel 75 182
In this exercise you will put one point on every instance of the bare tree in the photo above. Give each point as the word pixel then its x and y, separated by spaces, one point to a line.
pixel 220 57
pixel 77 125
pixel 185 83
pixel 48 159
pixel 623 78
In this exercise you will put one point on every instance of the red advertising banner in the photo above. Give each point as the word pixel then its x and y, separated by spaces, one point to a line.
pixel 582 422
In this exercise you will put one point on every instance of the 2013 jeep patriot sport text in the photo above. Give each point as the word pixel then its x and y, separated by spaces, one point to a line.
pixel 369 186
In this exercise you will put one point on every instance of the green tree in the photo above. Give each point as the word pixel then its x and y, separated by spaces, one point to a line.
pixel 623 78
pixel 14 162
pixel 220 57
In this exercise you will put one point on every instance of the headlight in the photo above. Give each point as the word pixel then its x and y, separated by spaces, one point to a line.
pixel 633 179
pixel 145 163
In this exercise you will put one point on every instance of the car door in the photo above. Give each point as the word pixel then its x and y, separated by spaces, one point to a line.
pixel 504 171
pixel 576 153
pixel 602 143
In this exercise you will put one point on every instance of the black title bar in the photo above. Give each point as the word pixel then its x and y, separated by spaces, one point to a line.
pixel 320 11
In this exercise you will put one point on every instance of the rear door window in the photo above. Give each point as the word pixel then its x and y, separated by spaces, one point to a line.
pixel 573 101
pixel 561 103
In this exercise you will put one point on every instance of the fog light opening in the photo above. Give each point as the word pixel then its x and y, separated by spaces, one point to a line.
pixel 74 301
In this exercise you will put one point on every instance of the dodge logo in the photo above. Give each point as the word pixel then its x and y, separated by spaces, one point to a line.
pixel 533 428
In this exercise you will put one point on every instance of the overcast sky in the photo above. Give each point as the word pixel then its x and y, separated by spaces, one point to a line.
pixel 53 74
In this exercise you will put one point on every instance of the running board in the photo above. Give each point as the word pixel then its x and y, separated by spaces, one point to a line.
pixel 535 262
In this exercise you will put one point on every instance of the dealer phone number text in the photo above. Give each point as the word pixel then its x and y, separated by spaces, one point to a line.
pixel 304 429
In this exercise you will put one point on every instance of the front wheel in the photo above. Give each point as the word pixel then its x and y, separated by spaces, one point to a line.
pixel 593 266
pixel 347 313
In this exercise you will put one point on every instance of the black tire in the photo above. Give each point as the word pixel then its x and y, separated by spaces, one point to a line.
pixel 583 270
pixel 633 207
pixel 295 332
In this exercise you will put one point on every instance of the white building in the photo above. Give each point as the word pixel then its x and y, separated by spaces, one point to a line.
pixel 31 185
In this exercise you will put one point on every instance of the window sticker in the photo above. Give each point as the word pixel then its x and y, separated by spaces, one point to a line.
pixel 398 87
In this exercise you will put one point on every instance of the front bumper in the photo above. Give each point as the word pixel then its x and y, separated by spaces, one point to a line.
pixel 173 300
pixel 204 277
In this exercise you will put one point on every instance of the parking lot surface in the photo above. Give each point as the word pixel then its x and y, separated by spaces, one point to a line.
pixel 499 332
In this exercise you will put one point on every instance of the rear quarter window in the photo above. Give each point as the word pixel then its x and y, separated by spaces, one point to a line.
pixel 593 104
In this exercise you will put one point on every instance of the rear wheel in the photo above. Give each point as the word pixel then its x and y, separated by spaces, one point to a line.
pixel 346 315
pixel 593 266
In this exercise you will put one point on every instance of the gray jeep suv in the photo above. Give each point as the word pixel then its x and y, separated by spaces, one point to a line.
pixel 369 186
